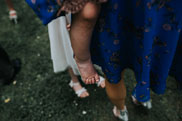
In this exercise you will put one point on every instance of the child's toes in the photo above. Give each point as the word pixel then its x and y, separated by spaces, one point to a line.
pixel 86 81
pixel 93 80
pixel 90 81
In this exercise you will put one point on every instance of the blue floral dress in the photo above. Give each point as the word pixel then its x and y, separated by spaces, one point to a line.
pixel 176 69
pixel 48 10
pixel 139 34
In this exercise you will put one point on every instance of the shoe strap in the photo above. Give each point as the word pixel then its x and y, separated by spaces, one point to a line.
pixel 12 12
pixel 79 92
pixel 100 81
pixel 72 84
pixel 147 104
pixel 123 114
pixel 135 101
pixel 13 15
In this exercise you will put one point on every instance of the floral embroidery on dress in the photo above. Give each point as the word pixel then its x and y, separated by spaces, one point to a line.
pixel 141 35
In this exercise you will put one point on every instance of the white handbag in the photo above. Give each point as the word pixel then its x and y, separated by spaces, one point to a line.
pixel 61 50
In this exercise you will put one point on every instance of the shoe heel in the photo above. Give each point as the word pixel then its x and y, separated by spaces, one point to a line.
pixel 15 21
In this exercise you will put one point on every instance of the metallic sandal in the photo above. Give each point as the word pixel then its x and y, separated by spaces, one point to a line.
pixel 123 113
pixel 13 16
pixel 102 79
pixel 78 92
pixel 147 104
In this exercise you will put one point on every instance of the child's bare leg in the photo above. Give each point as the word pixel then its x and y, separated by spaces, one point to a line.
pixel 77 87
pixel 81 32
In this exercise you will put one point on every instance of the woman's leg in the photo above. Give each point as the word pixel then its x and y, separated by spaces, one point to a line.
pixel 78 86
pixel 12 13
pixel 81 32
pixel 117 93
pixel 10 4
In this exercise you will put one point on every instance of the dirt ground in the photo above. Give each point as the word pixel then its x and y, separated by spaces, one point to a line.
pixel 41 95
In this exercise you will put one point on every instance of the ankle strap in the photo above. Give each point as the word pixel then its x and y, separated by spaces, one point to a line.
pixel 73 83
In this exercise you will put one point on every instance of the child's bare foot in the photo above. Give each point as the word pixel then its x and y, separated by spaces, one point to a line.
pixel 79 90
pixel 87 72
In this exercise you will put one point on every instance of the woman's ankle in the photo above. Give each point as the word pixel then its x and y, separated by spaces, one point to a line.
pixel 123 107
pixel 11 9
pixel 75 79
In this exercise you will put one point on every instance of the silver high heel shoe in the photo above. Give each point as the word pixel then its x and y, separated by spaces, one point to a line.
pixel 123 114
pixel 13 16
pixel 147 104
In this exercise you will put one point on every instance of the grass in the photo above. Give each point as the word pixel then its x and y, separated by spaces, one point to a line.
pixel 41 95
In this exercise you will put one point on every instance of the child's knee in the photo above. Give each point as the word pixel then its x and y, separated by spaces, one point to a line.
pixel 90 11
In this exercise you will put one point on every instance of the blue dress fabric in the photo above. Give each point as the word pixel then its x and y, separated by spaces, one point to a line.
pixel 46 10
pixel 138 34
pixel 176 69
